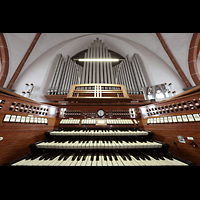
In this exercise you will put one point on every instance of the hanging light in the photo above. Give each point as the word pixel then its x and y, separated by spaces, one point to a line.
pixel 98 60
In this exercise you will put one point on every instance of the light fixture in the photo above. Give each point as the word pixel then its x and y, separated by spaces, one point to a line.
pixel 98 60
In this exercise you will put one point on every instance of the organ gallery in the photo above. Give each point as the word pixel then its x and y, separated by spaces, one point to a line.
pixel 121 99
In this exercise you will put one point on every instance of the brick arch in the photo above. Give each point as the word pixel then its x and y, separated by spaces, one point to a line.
pixel 4 60
pixel 192 58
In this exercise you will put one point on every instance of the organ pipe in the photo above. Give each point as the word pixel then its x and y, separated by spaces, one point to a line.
pixel 128 72
pixel 51 87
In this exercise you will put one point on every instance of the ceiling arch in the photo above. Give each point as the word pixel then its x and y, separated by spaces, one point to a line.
pixel 4 60
pixel 192 58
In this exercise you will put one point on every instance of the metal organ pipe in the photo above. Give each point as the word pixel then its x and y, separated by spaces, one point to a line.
pixel 128 82
pixel 83 76
pixel 58 76
pixel 51 86
pixel 136 76
pixel 144 84
pixel 65 76
pixel 97 64
pixel 132 86
pixel 135 88
pixel 61 77
pixel 101 64
pixel 128 72
pixel 111 70
pixel 139 74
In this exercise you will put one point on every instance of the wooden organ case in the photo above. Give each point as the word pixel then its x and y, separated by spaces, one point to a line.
pixel 100 133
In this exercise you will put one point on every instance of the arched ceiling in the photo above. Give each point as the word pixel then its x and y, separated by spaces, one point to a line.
pixel 178 44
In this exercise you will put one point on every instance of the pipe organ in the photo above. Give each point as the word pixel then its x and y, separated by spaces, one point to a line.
pixel 67 72
pixel 96 122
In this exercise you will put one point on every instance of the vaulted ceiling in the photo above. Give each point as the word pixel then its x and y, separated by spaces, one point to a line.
pixel 178 44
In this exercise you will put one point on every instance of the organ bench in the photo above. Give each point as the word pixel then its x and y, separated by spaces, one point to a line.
pixel 136 133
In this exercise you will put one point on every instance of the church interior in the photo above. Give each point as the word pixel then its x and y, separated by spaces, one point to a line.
pixel 99 99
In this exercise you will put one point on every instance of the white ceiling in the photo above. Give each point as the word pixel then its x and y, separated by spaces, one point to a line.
pixel 18 44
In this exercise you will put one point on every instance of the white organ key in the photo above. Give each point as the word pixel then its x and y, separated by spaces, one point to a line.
pixel 21 163
pixel 190 118
pixel 6 118
pixel 161 120
pixel 69 160
pixel 89 162
pixel 174 119
pixel 114 162
pixel 13 118
pixel 158 120
pixel 75 162
pixel 185 119
pixel 76 145
pixel 175 162
pixel 18 119
pixel 155 162
pixel 66 145
pixel 36 162
pixel 45 162
pixel 170 119
pixel 196 117
pixel 103 161
pixel 148 121
pixel 58 145
pixel 41 145
pixel 109 162
pixel 84 162
pixel 127 162
pixel 95 144
pixel 179 118
pixel 79 162
pixel 130 161
pixel 94 160
pixel 98 161
pixel 80 144
pixel 134 160
pixel 120 163
pixel 55 161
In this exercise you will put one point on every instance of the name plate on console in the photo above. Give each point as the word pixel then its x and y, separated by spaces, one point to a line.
pixel 101 122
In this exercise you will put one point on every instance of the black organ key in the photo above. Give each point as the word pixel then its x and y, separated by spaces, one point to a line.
pixel 79 156
pixel 75 155
pixel 97 156
pixel 114 155
pixel 84 156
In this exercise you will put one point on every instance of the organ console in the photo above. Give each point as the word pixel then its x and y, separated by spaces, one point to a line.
pixel 74 133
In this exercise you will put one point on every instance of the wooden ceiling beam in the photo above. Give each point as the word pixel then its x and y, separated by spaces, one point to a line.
pixel 19 68
pixel 176 65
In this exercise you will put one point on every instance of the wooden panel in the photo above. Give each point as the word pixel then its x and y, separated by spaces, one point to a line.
pixel 188 104
pixel 18 136
pixel 168 133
